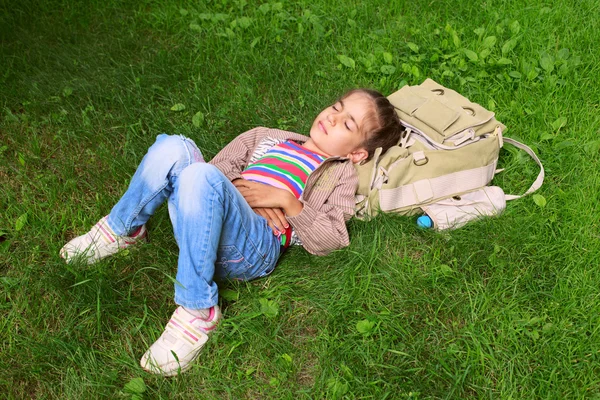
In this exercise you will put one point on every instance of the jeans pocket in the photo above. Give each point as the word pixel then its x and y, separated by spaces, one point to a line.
pixel 231 264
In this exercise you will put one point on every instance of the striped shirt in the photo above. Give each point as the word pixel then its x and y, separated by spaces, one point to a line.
pixel 286 166
pixel 328 197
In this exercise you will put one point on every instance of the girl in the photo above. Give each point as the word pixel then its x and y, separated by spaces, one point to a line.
pixel 234 216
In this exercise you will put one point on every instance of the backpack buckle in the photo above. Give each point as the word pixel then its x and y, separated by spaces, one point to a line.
pixel 467 134
pixel 419 158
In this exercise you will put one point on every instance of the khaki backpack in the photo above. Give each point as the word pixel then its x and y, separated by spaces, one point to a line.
pixel 443 162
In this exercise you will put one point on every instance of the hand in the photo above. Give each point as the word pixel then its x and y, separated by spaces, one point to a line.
pixel 259 195
pixel 275 219
pixel 274 215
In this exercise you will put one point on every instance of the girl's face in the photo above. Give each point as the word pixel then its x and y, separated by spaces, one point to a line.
pixel 336 130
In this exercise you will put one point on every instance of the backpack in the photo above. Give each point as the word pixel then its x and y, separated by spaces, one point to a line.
pixel 443 163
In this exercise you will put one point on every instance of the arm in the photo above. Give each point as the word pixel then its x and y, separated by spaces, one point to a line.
pixel 323 229
pixel 233 158
pixel 258 195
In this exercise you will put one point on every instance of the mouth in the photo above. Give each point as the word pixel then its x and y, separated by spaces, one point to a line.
pixel 322 127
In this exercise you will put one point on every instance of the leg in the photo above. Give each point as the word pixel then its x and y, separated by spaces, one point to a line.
pixel 213 226
pixel 151 184
pixel 212 220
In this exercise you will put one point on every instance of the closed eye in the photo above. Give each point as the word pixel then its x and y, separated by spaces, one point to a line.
pixel 337 108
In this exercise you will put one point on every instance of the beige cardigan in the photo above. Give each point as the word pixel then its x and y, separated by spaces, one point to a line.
pixel 328 196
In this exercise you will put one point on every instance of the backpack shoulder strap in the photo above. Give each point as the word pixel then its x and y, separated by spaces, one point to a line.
pixel 540 178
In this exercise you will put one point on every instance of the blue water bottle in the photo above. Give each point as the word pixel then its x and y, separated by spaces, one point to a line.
pixel 425 222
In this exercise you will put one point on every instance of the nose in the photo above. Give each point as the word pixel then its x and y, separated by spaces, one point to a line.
pixel 332 118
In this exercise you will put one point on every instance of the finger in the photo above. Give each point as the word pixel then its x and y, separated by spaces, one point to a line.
pixel 244 190
pixel 255 185
pixel 273 219
pixel 273 227
pixel 253 200
pixel 241 183
pixel 263 212
pixel 283 222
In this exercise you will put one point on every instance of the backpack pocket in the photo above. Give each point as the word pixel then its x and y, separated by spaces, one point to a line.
pixel 456 211
pixel 440 113
pixel 437 116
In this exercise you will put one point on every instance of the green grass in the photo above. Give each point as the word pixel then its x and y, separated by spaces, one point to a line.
pixel 503 308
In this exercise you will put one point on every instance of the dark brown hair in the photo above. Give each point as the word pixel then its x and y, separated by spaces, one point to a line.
pixel 381 127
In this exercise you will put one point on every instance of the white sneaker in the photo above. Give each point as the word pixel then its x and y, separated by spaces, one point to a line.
pixel 180 343
pixel 98 243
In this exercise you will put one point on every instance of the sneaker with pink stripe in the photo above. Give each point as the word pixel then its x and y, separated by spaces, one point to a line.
pixel 101 241
pixel 180 343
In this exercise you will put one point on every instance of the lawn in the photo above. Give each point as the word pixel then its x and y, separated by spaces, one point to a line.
pixel 507 307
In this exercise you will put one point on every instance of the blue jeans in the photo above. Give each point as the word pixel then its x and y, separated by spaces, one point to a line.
pixel 216 230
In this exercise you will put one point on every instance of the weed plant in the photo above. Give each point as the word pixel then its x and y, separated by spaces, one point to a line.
pixel 506 307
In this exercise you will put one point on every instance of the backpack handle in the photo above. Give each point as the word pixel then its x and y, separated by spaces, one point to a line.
pixel 540 178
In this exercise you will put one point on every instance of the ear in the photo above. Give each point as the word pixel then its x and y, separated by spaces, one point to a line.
pixel 358 155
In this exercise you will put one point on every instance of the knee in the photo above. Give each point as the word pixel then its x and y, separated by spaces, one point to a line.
pixel 169 149
pixel 198 174
pixel 197 184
